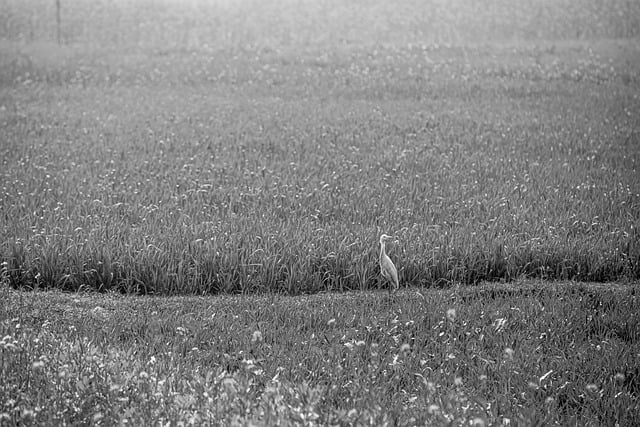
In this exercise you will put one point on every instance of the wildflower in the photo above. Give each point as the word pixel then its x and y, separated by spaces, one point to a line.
pixel 374 348
pixel 63 371
pixel 619 377
pixel 592 388
pixel 394 362
pixel 457 381
pixel 37 365
pixel 8 343
pixel 482 377
pixel 256 337
pixel 98 311
pixel 433 409
pixel 229 385
pixel 451 315
pixel 478 422
pixel 508 353
pixel 143 375
pixel 405 348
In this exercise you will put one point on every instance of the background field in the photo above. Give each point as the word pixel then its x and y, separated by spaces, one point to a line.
pixel 171 147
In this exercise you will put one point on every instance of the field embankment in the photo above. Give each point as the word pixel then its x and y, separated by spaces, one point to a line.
pixel 533 353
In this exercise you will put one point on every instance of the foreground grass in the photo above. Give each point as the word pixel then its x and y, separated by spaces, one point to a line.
pixel 534 352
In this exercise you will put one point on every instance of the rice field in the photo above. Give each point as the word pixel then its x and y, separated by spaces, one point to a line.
pixel 200 187
pixel 271 166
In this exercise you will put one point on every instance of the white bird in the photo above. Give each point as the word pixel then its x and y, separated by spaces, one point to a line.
pixel 387 268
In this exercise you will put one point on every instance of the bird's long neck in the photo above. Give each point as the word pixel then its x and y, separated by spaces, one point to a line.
pixel 383 252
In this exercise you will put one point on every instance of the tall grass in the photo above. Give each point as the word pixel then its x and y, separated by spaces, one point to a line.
pixel 274 167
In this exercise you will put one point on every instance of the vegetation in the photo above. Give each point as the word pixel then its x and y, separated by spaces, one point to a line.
pixel 531 354
pixel 273 163
pixel 262 147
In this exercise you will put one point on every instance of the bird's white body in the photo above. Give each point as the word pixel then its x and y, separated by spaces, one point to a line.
pixel 387 268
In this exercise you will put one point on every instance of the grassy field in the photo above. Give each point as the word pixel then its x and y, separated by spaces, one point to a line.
pixel 528 354
pixel 274 166
pixel 185 149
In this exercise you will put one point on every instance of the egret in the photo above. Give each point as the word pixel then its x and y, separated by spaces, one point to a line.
pixel 387 268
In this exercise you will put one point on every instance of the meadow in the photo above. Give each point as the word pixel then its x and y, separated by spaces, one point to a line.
pixel 217 174
pixel 273 164
pixel 534 353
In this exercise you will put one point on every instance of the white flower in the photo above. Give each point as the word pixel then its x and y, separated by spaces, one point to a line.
pixel 451 315
pixel 592 388
pixel 229 385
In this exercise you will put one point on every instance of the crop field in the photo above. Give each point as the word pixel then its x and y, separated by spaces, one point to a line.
pixel 217 174
pixel 273 163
